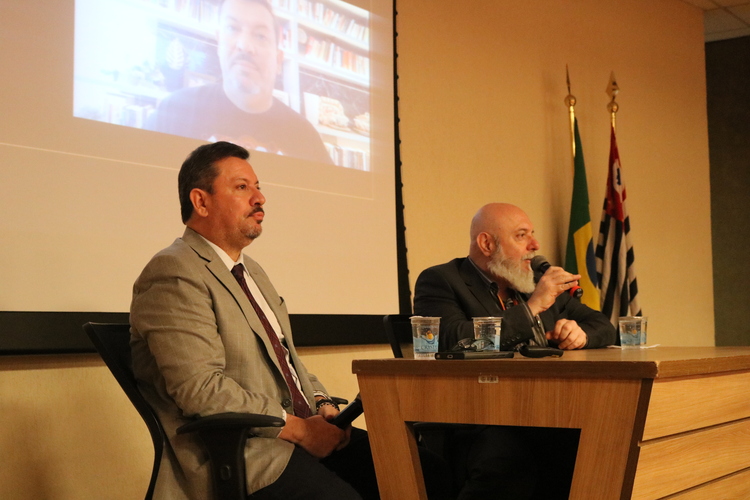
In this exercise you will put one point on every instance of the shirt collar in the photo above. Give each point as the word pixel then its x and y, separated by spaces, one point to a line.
pixel 486 279
pixel 514 296
pixel 225 258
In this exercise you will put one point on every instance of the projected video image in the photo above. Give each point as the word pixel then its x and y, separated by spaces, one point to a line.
pixel 287 77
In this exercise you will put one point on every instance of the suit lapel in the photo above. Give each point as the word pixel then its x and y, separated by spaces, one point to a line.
pixel 216 266
pixel 269 293
pixel 478 288
pixel 279 310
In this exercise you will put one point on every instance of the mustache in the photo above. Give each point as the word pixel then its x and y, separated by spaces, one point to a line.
pixel 244 56
pixel 255 210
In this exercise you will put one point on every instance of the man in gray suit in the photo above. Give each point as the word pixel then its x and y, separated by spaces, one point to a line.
pixel 203 321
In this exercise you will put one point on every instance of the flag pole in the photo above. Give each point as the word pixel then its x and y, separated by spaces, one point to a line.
pixel 579 252
pixel 612 91
pixel 615 258
pixel 570 102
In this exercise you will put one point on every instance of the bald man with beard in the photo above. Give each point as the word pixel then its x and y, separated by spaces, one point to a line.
pixel 496 280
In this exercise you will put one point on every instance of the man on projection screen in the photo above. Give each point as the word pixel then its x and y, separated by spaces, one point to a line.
pixel 241 107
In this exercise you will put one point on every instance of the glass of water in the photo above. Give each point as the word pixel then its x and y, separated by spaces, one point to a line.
pixel 633 331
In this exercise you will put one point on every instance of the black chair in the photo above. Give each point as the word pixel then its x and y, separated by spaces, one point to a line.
pixel 435 436
pixel 431 434
pixel 223 435
pixel 397 331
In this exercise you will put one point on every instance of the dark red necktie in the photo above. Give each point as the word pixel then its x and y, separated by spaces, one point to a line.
pixel 301 407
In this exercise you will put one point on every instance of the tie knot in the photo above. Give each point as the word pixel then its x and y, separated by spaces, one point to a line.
pixel 238 272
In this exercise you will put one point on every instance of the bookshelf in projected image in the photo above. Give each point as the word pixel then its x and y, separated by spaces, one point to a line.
pixel 327 73
pixel 325 77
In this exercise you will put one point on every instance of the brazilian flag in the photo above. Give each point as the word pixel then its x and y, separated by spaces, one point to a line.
pixel 579 256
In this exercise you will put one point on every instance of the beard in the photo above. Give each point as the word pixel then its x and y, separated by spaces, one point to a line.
pixel 256 229
pixel 513 271
pixel 245 79
pixel 253 232
pixel 247 85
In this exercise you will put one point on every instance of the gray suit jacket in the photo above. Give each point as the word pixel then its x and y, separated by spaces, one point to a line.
pixel 199 349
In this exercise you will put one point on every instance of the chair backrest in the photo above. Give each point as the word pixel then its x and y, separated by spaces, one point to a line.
pixel 397 331
pixel 112 340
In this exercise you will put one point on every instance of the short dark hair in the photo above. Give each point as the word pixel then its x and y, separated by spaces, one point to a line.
pixel 266 3
pixel 199 171
pixel 269 8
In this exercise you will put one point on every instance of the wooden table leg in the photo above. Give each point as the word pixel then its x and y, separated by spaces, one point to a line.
pixel 393 444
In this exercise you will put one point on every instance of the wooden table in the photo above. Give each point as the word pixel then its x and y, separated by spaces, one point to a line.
pixel 654 422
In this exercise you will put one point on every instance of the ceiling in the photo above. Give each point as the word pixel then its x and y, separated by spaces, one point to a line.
pixel 724 19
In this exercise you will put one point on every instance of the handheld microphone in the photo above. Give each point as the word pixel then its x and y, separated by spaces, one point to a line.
pixel 540 265
pixel 345 418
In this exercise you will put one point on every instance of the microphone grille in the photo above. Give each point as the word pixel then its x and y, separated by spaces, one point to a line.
pixel 538 264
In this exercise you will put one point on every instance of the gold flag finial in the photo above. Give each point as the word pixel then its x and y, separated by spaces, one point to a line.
pixel 612 91
pixel 570 102
pixel 612 88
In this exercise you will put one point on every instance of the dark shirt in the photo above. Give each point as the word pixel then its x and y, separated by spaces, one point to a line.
pixel 457 292
pixel 206 113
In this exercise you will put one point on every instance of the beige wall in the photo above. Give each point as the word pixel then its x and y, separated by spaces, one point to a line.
pixel 482 85
pixel 68 432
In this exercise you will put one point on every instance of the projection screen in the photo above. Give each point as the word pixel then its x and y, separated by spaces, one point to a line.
pixel 103 99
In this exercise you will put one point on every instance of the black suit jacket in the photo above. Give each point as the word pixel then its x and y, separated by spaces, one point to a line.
pixel 456 293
